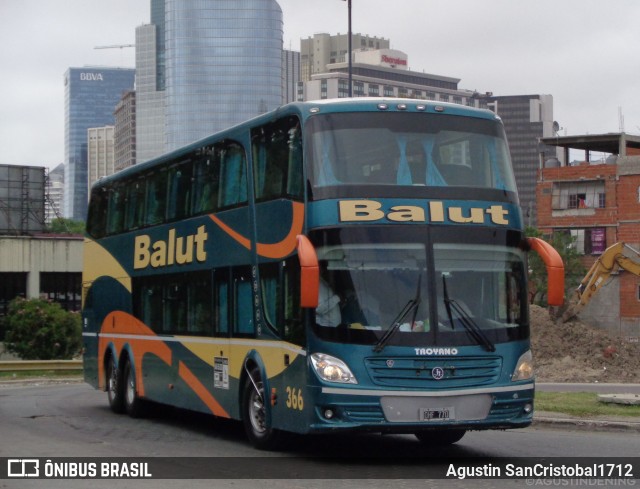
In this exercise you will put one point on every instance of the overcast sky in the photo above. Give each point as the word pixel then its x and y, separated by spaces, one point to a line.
pixel 586 53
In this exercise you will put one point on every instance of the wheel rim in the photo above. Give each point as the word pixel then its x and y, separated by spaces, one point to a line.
pixel 112 381
pixel 256 411
pixel 131 387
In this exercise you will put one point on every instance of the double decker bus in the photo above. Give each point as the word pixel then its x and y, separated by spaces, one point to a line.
pixel 332 266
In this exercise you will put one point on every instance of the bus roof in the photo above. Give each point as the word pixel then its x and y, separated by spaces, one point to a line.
pixel 305 110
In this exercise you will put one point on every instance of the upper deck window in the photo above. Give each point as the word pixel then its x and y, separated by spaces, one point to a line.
pixel 369 148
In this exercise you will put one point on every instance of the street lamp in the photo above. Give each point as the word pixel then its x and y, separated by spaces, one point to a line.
pixel 349 51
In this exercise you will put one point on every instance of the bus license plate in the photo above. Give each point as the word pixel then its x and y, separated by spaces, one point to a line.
pixel 437 414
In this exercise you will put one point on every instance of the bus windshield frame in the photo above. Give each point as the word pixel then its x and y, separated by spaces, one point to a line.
pixel 369 275
pixel 408 149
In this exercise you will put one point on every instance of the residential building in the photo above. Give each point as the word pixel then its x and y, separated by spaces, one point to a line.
pixel 91 94
pixel 597 201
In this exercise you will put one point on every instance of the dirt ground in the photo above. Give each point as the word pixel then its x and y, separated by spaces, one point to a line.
pixel 575 352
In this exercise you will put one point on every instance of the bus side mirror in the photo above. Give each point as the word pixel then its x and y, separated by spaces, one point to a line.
pixel 555 270
pixel 309 273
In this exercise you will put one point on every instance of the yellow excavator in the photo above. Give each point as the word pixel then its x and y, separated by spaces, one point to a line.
pixel 611 260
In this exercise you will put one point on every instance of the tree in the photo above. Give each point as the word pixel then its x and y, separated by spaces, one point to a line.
pixel 37 329
pixel 61 225
pixel 574 270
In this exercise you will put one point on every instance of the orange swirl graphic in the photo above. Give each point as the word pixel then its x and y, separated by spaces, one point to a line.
pixel 275 250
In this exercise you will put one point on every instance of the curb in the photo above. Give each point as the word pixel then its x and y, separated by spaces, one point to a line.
pixel 585 424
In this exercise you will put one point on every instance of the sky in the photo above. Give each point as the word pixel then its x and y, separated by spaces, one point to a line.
pixel 585 53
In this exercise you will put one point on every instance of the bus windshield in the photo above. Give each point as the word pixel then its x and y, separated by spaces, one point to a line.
pixel 478 295
pixel 402 148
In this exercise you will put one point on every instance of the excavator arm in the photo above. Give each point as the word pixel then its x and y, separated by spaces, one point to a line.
pixel 611 260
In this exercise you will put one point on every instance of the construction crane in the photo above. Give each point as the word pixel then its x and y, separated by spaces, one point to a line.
pixel 116 46
pixel 611 260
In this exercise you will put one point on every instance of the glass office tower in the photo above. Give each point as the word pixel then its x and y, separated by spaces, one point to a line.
pixel 223 64
pixel 91 95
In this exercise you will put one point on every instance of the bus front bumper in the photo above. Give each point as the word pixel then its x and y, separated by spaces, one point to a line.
pixel 353 409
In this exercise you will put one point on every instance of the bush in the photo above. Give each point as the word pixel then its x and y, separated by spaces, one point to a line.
pixel 37 329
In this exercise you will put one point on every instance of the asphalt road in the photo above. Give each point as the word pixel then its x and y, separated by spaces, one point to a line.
pixel 74 420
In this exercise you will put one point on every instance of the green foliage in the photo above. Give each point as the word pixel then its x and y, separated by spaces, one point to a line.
pixel 37 329
pixel 573 269
pixel 61 225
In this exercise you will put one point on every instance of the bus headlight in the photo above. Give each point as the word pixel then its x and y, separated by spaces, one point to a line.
pixel 332 369
pixel 524 367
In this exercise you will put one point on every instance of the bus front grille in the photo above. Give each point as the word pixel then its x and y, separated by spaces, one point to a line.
pixel 434 372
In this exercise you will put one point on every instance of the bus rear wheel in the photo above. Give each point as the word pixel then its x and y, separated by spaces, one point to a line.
pixel 133 405
pixel 254 417
pixel 440 437
pixel 115 391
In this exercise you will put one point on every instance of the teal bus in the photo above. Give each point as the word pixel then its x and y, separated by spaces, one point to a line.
pixel 347 265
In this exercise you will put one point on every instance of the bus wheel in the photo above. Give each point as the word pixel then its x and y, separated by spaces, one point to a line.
pixel 132 403
pixel 440 438
pixel 115 392
pixel 254 415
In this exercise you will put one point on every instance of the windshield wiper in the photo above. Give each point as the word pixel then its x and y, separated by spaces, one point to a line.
pixel 412 304
pixel 467 321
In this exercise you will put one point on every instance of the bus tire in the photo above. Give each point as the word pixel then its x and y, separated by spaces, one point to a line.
pixel 133 405
pixel 254 416
pixel 440 437
pixel 115 391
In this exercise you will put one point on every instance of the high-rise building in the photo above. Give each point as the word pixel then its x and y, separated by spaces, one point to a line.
pixel 205 65
pixel 54 193
pixel 100 153
pixel 526 118
pixel 385 73
pixel 91 95
pixel 150 93
pixel 290 75
pixel 324 49
pixel 223 62
pixel 124 134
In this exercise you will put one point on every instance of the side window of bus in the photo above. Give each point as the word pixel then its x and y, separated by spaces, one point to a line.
pixel 97 217
pixel 117 209
pixel 135 204
pixel 156 198
pixel 149 300
pixel 243 303
pixel 175 307
pixel 179 190
pixel 199 304
pixel 177 303
pixel 233 175
pixel 280 283
pixel 277 159
pixel 206 169
pixel 221 301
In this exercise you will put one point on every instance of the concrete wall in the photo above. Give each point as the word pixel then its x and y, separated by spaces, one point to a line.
pixel 35 255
